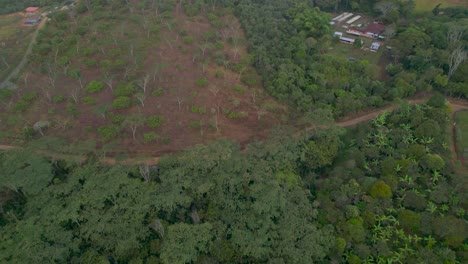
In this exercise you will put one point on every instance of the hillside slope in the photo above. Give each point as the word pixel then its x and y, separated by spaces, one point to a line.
pixel 146 78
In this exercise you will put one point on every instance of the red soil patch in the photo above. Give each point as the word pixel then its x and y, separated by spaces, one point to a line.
pixel 182 126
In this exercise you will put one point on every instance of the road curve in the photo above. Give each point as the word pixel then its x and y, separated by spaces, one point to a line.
pixel 456 105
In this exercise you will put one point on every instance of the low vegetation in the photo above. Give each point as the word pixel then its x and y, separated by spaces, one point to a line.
pixel 461 128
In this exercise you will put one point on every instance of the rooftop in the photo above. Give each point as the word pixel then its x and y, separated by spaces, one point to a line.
pixel 32 9
pixel 375 28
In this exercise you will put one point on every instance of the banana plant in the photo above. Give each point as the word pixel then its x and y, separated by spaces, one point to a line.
pixel 406 127
pixel 431 207
pixel 430 241
pixel 435 177
pixel 444 209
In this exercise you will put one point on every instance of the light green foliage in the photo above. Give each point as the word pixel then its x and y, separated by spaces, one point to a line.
pixel 201 82
pixel 198 109
pixel 380 190
pixel 124 89
pixel 108 132
pixel 149 137
pixel 157 92
pixel 310 21
pixel 89 100
pixel 187 39
pixel 322 149
pixel 289 179
pixel 94 86
pixel 121 102
pixel 154 121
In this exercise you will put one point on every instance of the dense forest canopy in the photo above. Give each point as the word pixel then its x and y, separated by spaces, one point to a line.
pixel 383 192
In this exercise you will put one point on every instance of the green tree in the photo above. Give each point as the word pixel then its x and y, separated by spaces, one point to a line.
pixel 185 243
pixel 380 190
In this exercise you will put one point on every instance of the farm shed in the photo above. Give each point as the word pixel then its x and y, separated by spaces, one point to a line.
pixel 347 40
pixel 374 29
pixel 338 34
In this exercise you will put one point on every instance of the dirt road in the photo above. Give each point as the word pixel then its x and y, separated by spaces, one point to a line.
pixel 25 57
pixel 456 106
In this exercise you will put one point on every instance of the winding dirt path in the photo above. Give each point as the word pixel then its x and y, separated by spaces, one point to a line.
pixel 455 104
pixel 25 56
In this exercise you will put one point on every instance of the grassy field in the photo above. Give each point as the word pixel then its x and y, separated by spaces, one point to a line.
pixel 462 133
pixel 428 5
pixel 14 39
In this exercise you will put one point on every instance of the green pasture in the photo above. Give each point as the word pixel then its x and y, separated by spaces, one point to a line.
pixel 462 132
pixel 14 39
pixel 428 5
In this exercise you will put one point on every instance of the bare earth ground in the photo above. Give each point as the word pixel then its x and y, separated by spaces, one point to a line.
pixel 456 105
pixel 182 126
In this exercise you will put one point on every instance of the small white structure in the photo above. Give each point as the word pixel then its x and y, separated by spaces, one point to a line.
pixel 354 19
pixel 340 16
pixel 347 40
pixel 375 46
pixel 338 34
pixel 345 17
pixel 354 32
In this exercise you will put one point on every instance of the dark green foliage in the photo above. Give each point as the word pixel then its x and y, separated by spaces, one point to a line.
pixel 94 211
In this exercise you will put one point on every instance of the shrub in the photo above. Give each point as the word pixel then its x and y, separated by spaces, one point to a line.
pixel 89 62
pixel 198 109
pixel 121 102
pixel 380 190
pixel 187 39
pixel 157 92
pixel 116 119
pixel 409 220
pixel 94 86
pixel 154 121
pixel 219 74
pixel 237 115
pixel 108 132
pixel 239 88
pixel 58 98
pixel 25 101
pixel 249 79
pixel 124 89
pixel 89 100
pixel 165 140
pixel 201 82
pixel 149 137
pixel 432 162
pixel 219 45
pixel 72 109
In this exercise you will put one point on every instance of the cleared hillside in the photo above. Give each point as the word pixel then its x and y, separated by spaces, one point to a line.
pixel 149 78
